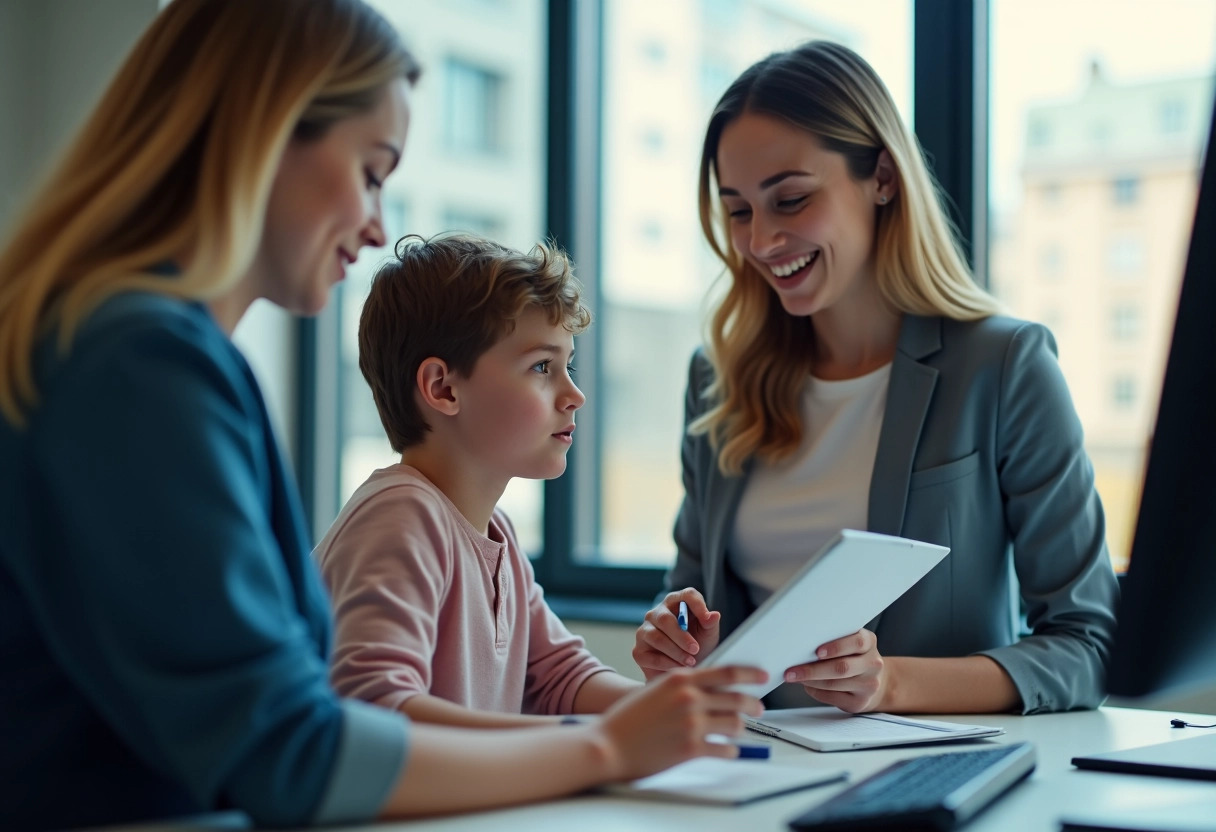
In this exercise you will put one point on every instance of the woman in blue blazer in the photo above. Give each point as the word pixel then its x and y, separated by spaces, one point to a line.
pixel 856 376
pixel 165 634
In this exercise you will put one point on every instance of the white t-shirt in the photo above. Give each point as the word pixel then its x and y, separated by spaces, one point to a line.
pixel 791 509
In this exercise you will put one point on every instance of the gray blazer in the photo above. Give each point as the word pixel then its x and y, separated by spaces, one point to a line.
pixel 980 450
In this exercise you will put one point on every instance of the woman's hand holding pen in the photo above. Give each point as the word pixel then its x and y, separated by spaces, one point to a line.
pixel 661 644
pixel 667 722
pixel 849 673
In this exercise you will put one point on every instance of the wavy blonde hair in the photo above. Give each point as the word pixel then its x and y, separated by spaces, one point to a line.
pixel 761 354
pixel 176 162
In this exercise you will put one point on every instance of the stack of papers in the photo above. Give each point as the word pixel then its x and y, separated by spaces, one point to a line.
pixel 831 729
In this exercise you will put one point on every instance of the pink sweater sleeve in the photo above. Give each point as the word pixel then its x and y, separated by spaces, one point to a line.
pixel 386 601
pixel 558 661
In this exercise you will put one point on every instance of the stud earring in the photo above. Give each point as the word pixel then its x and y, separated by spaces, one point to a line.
pixel 882 200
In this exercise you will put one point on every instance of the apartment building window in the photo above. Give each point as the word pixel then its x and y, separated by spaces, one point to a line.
pixel 654 141
pixel 654 51
pixel 1125 256
pixel 1051 262
pixel 1040 134
pixel 1125 322
pixel 1126 190
pixel 1173 116
pixel 473 107
pixel 459 219
pixel 1101 133
pixel 651 232
pixel 1123 392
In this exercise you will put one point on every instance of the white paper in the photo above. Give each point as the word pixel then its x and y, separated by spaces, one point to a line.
pixel 840 589
pixel 831 729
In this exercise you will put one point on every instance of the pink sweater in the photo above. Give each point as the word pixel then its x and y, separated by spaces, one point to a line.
pixel 424 603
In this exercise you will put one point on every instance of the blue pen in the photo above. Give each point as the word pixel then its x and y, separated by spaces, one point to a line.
pixel 682 618
pixel 748 749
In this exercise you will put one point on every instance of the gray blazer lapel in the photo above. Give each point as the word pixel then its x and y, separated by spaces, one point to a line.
pixel 908 397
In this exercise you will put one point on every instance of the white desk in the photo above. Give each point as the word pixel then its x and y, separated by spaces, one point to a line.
pixel 1055 788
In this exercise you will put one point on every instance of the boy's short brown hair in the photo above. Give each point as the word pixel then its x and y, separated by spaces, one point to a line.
pixel 453 297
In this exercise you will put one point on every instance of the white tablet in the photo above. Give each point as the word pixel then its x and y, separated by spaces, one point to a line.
pixel 841 588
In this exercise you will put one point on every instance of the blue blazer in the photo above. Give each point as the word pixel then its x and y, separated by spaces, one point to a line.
pixel 165 635
pixel 980 450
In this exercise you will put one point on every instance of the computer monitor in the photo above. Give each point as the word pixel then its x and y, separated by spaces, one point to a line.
pixel 1166 638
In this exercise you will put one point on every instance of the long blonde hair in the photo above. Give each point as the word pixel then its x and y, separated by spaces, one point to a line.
pixel 760 353
pixel 176 161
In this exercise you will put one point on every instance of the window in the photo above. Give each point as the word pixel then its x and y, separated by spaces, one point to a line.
pixel 653 141
pixel 654 50
pixel 1173 116
pixel 1125 256
pixel 459 219
pixel 1101 133
pixel 1039 134
pixel 473 107
pixel 1117 137
pixel 651 232
pixel 1126 190
pixel 1125 323
pixel 1123 392
pixel 1051 262
pixel 498 194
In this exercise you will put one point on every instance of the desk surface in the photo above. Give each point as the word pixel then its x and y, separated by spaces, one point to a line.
pixel 1055 789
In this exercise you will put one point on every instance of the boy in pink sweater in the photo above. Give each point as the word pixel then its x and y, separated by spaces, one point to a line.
pixel 467 346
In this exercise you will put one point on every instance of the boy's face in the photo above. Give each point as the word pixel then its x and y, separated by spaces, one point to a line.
pixel 517 406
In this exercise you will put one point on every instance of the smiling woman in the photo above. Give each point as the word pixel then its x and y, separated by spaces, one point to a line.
pixel 808 230
pixel 857 377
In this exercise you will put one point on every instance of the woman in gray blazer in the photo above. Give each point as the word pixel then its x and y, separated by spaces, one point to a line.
pixel 856 376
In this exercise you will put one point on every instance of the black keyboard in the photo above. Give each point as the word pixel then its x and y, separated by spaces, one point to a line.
pixel 939 791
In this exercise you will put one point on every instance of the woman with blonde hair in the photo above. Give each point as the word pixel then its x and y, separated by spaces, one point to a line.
pixel 855 376
pixel 165 635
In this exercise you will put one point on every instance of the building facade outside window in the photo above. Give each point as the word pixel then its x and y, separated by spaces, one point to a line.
pixel 472 107
pixel 1143 74
pixel 474 162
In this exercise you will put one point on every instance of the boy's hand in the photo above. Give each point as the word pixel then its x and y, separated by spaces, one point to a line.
pixel 660 645
pixel 666 722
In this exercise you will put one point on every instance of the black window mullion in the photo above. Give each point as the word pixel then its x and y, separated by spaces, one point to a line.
pixel 950 86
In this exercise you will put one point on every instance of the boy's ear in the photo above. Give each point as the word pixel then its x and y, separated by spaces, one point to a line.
pixel 436 386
